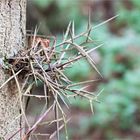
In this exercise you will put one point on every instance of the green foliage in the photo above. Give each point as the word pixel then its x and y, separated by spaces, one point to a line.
pixel 62 11
pixel 120 99
pixel 42 3
pixel 117 105
pixel 79 70
pixel 79 102
pixel 133 20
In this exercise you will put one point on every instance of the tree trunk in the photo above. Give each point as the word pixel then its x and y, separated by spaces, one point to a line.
pixel 12 39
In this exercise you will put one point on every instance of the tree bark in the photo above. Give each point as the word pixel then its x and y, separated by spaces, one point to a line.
pixel 12 39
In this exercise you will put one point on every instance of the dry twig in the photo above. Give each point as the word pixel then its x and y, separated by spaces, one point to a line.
pixel 43 62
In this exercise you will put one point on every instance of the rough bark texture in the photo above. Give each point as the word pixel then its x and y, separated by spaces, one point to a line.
pixel 12 39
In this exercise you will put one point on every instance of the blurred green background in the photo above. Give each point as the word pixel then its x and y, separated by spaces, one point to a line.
pixel 117 116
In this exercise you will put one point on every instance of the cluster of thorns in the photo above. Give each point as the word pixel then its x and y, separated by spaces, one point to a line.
pixel 46 61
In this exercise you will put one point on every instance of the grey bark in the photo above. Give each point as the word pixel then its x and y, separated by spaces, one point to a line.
pixel 12 39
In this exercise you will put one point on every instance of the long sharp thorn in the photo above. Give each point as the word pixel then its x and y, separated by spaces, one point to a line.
pixel 89 25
